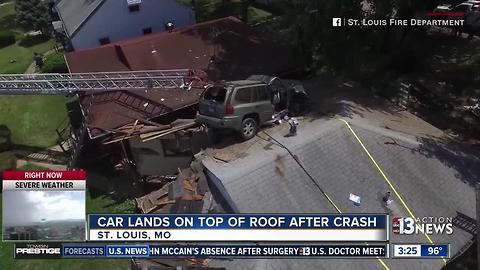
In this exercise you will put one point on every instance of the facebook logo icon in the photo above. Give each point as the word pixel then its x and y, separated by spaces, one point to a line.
pixel 337 22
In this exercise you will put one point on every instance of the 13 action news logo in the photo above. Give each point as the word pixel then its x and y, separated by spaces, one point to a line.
pixel 425 225
pixel 38 251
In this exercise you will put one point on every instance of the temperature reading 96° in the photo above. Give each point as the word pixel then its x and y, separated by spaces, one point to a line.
pixel 434 250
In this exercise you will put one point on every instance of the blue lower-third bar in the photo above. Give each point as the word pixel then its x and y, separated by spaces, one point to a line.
pixel 127 251
pixel 435 250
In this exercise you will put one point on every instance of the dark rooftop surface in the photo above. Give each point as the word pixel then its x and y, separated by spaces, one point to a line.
pixel 226 48
pixel 75 12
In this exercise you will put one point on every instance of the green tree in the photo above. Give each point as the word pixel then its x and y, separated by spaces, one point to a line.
pixel 357 49
pixel 244 7
pixel 33 14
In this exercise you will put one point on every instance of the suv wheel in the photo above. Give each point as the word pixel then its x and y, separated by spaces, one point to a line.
pixel 249 128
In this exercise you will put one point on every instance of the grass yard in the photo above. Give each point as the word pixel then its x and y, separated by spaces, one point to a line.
pixel 32 167
pixel 256 15
pixel 105 205
pixel 17 57
pixel 32 120
pixel 7 160
pixel 214 9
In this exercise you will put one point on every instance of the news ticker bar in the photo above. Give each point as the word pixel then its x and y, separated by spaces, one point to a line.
pixel 239 227
pixel 402 251
pixel 58 250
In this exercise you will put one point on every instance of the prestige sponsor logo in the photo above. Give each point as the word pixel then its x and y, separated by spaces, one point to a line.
pixel 38 251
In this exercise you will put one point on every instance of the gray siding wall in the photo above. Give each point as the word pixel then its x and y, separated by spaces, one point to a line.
pixel 150 159
pixel 114 20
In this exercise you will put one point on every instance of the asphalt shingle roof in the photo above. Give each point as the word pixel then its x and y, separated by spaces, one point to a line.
pixel 265 178
pixel 75 12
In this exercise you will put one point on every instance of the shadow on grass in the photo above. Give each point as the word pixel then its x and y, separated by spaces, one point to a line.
pixel 8 22
pixel 5 138
pixel 39 154
pixel 29 41
pixel 220 10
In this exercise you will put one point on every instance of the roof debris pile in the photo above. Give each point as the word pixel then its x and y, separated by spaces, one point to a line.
pixel 188 193
pixel 148 130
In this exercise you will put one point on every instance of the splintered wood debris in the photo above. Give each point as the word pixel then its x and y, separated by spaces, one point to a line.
pixel 148 130
pixel 190 185
pixel 155 200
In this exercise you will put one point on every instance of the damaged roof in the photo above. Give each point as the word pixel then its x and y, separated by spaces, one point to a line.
pixel 226 49
pixel 114 109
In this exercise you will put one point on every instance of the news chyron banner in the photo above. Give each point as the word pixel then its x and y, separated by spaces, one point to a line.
pixel 44 206
pixel 199 250
pixel 239 227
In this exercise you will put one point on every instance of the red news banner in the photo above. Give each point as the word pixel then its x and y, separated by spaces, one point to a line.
pixel 44 180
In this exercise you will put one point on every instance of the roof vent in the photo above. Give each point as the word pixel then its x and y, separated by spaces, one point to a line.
pixel 169 26
pixel 134 2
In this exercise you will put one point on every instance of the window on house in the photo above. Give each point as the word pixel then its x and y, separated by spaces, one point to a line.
pixel 134 8
pixel 147 30
pixel 104 41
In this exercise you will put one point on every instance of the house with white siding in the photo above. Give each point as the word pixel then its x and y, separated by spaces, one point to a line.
pixel 91 23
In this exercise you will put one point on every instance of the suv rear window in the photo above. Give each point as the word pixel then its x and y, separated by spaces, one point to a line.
pixel 215 93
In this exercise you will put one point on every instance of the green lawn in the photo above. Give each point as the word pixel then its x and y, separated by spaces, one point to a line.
pixel 6 10
pixel 97 205
pixel 214 9
pixel 256 15
pixel 17 57
pixel 6 161
pixel 32 167
pixel 105 205
pixel 33 120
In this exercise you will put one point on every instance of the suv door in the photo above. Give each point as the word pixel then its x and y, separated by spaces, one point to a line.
pixel 262 103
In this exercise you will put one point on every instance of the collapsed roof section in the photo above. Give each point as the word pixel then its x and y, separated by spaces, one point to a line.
pixel 225 49
pixel 114 109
